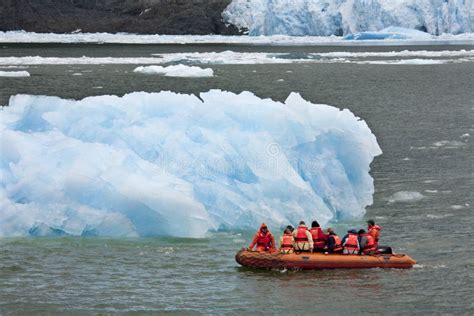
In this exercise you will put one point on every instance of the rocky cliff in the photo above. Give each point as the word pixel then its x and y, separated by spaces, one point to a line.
pixel 133 16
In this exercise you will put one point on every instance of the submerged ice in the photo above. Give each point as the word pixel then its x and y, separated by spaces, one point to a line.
pixel 173 164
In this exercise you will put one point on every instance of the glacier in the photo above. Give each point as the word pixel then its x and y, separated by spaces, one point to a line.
pixel 148 164
pixel 343 17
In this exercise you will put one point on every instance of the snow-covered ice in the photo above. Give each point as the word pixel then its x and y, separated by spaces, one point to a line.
pixel 176 71
pixel 342 17
pixel 14 74
pixel 155 163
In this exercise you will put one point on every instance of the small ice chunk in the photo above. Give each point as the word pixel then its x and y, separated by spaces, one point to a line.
pixel 176 71
pixel 448 144
pixel 14 74
pixel 405 196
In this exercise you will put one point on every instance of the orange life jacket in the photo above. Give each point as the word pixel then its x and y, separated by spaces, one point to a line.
pixel 370 245
pixel 374 231
pixel 337 242
pixel 287 242
pixel 301 234
pixel 352 243
pixel 264 239
pixel 319 238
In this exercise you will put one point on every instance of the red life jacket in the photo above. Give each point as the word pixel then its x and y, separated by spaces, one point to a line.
pixel 301 234
pixel 351 244
pixel 264 239
pixel 337 242
pixel 287 242
pixel 374 231
pixel 370 246
pixel 319 238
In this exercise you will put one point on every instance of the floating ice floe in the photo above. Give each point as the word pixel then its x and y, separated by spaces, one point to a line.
pixel 405 196
pixel 395 33
pixel 277 40
pixel 244 58
pixel 176 71
pixel 175 164
pixel 416 61
pixel 14 74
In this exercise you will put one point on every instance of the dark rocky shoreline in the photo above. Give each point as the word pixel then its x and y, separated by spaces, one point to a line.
pixel 174 17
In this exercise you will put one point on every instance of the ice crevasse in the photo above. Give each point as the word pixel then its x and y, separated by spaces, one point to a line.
pixel 180 165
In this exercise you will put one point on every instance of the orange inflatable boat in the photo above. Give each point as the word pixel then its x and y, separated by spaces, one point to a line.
pixel 313 261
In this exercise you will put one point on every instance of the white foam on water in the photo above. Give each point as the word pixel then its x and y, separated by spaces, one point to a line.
pixel 440 216
pixel 449 144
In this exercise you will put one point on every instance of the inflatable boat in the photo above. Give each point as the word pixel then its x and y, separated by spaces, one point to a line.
pixel 314 261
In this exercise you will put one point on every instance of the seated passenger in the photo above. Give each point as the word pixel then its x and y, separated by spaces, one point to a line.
pixel 303 239
pixel 263 239
pixel 374 231
pixel 334 244
pixel 367 243
pixel 319 237
pixel 287 241
pixel 350 242
pixel 291 228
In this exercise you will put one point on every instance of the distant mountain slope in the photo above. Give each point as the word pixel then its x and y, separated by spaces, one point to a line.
pixel 134 16
pixel 341 17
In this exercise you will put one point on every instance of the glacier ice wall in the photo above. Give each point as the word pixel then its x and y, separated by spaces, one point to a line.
pixel 342 17
pixel 172 164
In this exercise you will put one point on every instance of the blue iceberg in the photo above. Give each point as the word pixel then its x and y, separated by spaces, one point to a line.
pixel 172 164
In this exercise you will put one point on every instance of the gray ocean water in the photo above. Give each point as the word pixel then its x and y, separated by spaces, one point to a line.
pixel 423 118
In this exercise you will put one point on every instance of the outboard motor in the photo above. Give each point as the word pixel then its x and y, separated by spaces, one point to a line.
pixel 385 250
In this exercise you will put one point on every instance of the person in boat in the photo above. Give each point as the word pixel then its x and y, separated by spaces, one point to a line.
pixel 303 238
pixel 319 237
pixel 291 228
pixel 263 239
pixel 334 244
pixel 350 242
pixel 367 243
pixel 287 241
pixel 374 231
